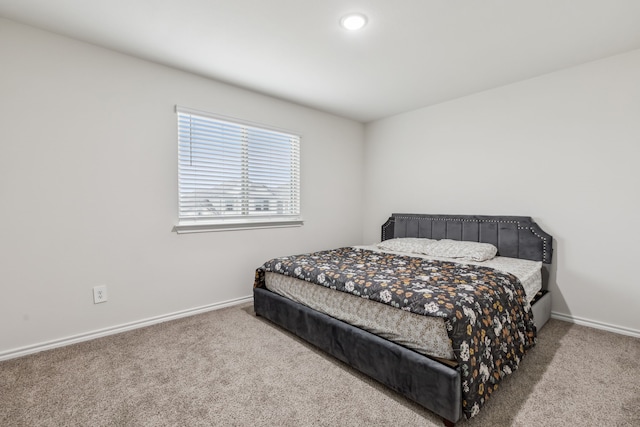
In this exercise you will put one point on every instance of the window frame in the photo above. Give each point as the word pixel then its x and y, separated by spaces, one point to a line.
pixel 242 220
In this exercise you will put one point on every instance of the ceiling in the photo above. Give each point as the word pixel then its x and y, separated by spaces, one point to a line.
pixel 412 53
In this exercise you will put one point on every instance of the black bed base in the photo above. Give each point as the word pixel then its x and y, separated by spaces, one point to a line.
pixel 429 383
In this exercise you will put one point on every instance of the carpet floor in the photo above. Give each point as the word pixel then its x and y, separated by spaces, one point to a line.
pixel 231 368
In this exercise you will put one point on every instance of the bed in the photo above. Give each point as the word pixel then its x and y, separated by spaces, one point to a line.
pixel 438 383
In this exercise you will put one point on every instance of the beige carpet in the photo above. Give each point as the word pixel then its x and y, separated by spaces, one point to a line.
pixel 230 368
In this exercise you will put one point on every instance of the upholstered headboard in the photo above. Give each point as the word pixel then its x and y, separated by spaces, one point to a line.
pixel 514 236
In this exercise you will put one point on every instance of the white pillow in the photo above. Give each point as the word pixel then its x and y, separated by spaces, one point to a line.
pixel 407 244
pixel 471 251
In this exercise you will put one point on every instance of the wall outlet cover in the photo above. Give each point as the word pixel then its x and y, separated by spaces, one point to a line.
pixel 99 294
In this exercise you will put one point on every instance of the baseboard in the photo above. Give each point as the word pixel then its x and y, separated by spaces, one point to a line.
pixel 36 348
pixel 596 325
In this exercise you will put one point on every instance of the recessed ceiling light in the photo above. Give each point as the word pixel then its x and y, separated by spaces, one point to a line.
pixel 353 21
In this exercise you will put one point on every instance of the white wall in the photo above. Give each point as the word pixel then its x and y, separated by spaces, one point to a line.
pixel 88 189
pixel 563 148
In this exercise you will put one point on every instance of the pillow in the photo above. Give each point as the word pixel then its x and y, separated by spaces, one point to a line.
pixel 471 251
pixel 406 244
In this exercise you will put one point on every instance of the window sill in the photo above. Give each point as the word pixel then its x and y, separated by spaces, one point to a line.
pixel 234 225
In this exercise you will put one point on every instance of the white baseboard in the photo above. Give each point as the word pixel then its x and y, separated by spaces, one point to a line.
pixel 48 345
pixel 596 325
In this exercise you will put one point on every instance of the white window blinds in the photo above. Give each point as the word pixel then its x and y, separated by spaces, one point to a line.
pixel 232 172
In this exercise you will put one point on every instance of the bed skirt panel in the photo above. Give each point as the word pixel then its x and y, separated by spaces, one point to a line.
pixel 425 381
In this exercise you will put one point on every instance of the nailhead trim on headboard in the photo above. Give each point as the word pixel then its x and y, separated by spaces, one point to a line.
pixel 546 239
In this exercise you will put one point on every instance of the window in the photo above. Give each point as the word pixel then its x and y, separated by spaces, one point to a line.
pixel 234 174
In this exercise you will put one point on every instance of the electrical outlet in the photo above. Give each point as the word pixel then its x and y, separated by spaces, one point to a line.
pixel 99 294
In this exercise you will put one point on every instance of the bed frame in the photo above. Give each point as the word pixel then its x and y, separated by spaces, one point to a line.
pixel 431 383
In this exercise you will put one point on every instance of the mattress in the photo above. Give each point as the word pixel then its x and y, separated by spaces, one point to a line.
pixel 424 334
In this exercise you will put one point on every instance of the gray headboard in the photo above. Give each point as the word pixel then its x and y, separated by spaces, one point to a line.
pixel 514 236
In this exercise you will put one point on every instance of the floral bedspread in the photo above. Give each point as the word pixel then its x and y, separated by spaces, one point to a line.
pixel 487 317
